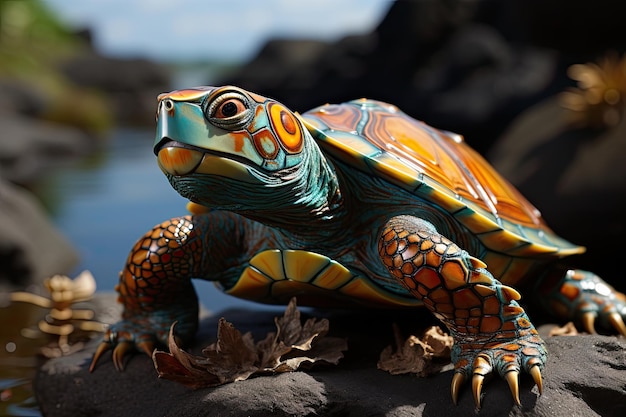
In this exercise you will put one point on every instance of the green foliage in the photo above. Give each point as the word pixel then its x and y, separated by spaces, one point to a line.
pixel 31 37
pixel 33 45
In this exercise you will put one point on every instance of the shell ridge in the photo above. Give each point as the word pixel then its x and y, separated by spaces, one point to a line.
pixel 344 286
pixel 470 179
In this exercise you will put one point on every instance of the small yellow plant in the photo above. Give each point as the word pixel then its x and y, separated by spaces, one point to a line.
pixel 62 320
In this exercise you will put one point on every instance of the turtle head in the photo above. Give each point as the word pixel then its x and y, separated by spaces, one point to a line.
pixel 228 148
pixel 226 131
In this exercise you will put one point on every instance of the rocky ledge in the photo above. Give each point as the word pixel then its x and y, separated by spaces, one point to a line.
pixel 584 377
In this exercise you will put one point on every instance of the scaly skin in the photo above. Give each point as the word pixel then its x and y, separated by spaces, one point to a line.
pixel 584 297
pixel 490 329
pixel 155 286
pixel 156 290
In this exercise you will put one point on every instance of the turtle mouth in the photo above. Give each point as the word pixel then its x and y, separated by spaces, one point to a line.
pixel 180 159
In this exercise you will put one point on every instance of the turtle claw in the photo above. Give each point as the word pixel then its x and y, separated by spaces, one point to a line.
pixel 615 320
pixel 102 348
pixel 118 354
pixel 512 378
pixel 588 321
pixel 618 323
pixel 535 372
pixel 457 381
pixel 146 347
pixel 477 386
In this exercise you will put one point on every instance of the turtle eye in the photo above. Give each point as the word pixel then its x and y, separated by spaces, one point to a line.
pixel 230 108
pixel 230 111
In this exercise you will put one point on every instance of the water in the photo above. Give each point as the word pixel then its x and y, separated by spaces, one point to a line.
pixel 18 360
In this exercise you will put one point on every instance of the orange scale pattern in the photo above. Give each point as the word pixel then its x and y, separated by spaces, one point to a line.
pixel 490 328
pixel 169 250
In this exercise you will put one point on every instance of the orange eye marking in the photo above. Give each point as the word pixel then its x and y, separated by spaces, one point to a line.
pixel 288 122
pixel 265 144
pixel 229 108
pixel 286 127
pixel 239 138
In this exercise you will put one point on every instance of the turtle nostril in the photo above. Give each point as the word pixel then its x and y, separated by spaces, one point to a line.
pixel 168 105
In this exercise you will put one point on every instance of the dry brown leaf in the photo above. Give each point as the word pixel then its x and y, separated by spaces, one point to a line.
pixel 292 333
pixel 327 350
pixel 439 343
pixel 235 357
pixel 181 366
pixel 569 329
pixel 270 351
pixel 416 355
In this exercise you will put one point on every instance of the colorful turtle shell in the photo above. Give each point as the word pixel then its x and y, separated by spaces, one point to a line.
pixel 439 167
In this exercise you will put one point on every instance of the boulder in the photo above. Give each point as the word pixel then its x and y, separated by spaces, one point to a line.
pixel 584 377
pixel 31 248
pixel 464 66
pixel 575 176
pixel 132 84
pixel 31 147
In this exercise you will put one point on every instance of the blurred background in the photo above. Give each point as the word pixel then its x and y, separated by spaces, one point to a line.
pixel 538 87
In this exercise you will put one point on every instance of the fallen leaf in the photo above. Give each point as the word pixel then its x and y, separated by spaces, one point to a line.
pixel 415 355
pixel 324 350
pixel 569 329
pixel 235 357
pixel 293 334
pixel 181 366
pixel 438 342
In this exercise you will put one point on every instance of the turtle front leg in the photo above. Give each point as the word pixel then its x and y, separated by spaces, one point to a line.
pixel 155 285
pixel 489 328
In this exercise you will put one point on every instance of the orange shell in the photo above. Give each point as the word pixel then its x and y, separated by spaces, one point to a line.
pixel 440 167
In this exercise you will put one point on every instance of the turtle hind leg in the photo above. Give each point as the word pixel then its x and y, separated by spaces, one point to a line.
pixel 490 330
pixel 583 297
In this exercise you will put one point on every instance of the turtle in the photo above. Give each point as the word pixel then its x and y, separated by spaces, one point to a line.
pixel 353 205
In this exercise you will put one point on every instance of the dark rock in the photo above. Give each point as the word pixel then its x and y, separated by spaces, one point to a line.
pixel 575 176
pixel 584 377
pixel 19 97
pixel 132 84
pixel 464 66
pixel 31 249
pixel 31 147
pixel 554 24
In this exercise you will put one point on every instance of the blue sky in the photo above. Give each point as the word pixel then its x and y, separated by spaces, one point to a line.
pixel 207 29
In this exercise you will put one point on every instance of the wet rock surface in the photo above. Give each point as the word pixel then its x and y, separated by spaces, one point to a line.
pixel 584 377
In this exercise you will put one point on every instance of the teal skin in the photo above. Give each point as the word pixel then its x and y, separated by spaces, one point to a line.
pixel 260 184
